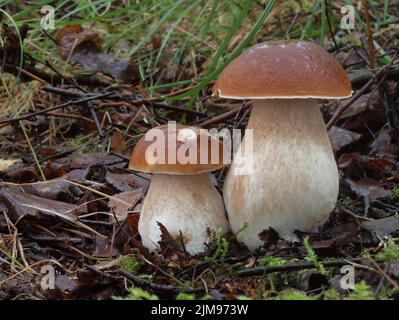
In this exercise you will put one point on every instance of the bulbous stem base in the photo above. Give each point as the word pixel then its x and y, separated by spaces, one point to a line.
pixel 189 204
pixel 294 181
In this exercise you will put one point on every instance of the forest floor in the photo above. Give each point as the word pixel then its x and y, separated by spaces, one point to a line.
pixel 76 99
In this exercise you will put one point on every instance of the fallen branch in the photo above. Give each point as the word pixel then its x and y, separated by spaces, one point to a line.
pixel 358 79
pixel 31 73
pixel 384 274
pixel 146 284
pixel 193 271
pixel 131 99
pixel 379 77
pixel 69 116
pixel 260 270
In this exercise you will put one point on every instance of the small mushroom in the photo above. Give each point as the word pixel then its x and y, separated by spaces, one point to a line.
pixel 293 184
pixel 181 194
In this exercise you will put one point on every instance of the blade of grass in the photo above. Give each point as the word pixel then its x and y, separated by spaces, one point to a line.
pixel 31 8
pixel 210 18
pixel 232 31
pixel 174 25
pixel 385 16
pixel 310 20
pixel 323 22
pixel 189 39
pixel 24 130
pixel 243 44
pixel 32 150
pixel 19 36
pixel 151 32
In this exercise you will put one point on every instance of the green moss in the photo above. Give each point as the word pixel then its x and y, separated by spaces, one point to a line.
pixel 331 294
pixel 361 292
pixel 291 294
pixel 130 263
pixel 312 257
pixel 221 252
pixel 137 294
pixel 191 296
pixel 273 262
pixel 390 252
pixel 395 192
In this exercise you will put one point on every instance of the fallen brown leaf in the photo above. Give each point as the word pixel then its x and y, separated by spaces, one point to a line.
pixel 369 188
pixel 382 227
pixel 121 208
pixel 83 45
pixel 21 204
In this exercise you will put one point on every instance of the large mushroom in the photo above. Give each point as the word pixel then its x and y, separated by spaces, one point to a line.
pixel 293 184
pixel 181 195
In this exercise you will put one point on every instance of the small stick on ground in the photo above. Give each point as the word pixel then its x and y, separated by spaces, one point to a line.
pixel 60 106
pixel 146 284
pixel 222 116
pixel 257 271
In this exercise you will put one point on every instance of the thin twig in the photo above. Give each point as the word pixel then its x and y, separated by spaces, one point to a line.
pixel 342 108
pixel 70 116
pixel 369 35
pixel 60 106
pixel 223 116
pixel 146 284
pixel 260 270
pixel 125 98
pixel 383 273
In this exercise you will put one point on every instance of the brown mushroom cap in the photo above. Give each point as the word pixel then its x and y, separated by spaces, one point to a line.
pixel 283 69
pixel 183 135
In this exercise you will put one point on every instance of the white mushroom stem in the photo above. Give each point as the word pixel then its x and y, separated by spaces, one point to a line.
pixel 294 182
pixel 186 203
